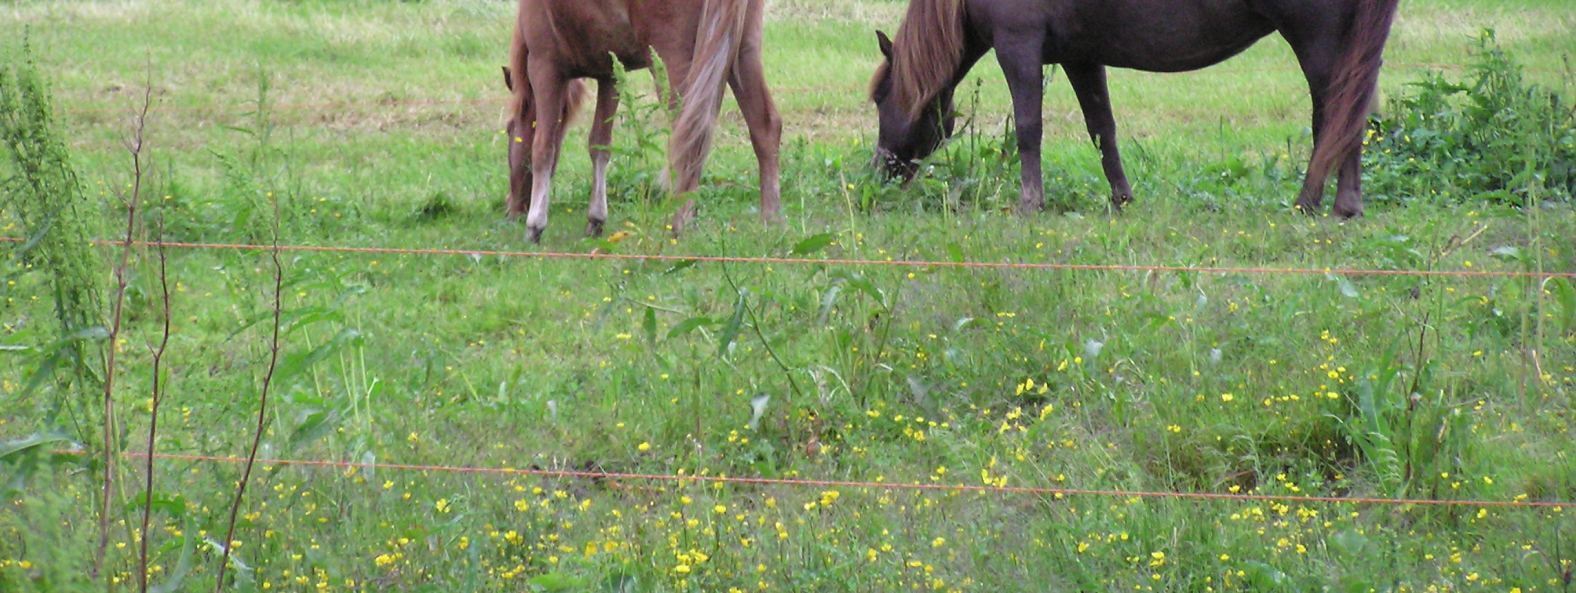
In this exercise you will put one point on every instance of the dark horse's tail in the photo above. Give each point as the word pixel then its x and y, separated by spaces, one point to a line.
pixel 1352 87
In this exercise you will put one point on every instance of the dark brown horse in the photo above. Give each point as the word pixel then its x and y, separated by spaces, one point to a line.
pixel 1339 44
pixel 703 43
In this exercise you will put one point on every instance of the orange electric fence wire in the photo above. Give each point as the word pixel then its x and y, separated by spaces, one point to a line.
pixel 1059 492
pixel 785 91
pixel 841 262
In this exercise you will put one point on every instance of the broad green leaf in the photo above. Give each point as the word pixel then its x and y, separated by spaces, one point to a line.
pixel 812 244
pixel 689 325
pixel 183 566
pixel 731 331
pixel 649 325
pixel 554 581
pixel 828 300
pixel 1565 296
pixel 295 364
pixel 860 283
pixel 314 426
pixel 1349 542
pixel 1348 289
pixel 13 448
pixel 681 265
pixel 173 506
pixel 758 409
pixel 955 252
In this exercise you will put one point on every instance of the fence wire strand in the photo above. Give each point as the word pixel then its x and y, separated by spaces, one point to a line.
pixel 913 486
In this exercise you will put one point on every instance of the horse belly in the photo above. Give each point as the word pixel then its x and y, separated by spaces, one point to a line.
pixel 1160 35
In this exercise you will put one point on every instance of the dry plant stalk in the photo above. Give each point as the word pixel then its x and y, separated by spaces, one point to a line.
pixel 262 405
pixel 134 146
pixel 158 398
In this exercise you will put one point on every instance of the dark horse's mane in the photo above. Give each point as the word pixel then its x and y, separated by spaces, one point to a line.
pixel 926 53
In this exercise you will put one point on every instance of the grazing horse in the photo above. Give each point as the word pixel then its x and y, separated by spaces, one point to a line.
pixel 703 43
pixel 1339 44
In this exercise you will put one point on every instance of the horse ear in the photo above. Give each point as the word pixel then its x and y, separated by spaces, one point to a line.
pixel 508 80
pixel 885 43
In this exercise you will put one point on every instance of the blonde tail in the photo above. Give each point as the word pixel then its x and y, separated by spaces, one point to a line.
pixel 722 27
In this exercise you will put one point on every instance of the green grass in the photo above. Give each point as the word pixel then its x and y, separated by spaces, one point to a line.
pixel 1189 382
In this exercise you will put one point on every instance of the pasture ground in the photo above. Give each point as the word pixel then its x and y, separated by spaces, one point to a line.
pixel 1298 385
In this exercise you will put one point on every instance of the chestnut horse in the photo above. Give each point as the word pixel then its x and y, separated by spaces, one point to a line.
pixel 1339 44
pixel 703 43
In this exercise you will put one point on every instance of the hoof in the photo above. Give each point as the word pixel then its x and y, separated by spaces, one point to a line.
pixel 535 235
pixel 1348 206
pixel 775 217
pixel 1029 205
pixel 682 218
pixel 1120 199
pixel 594 227
pixel 1120 202
pixel 513 209
pixel 1306 208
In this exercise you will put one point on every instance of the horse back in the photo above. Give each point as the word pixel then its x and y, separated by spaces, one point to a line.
pixel 580 36
pixel 1152 35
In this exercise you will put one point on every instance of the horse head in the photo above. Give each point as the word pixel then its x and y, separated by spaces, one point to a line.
pixel 907 134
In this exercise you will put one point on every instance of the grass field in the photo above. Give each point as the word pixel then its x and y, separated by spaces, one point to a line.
pixel 1323 385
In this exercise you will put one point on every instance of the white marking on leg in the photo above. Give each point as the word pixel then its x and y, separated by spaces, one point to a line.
pixel 537 219
pixel 598 210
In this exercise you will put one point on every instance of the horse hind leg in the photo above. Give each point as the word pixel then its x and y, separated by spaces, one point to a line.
pixel 601 154
pixel 1094 99
pixel 748 82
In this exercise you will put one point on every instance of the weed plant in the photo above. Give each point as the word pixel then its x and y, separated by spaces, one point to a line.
pixel 1491 137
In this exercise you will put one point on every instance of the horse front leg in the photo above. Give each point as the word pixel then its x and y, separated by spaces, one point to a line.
pixel 601 154
pixel 1318 63
pixel 1094 98
pixel 1019 54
